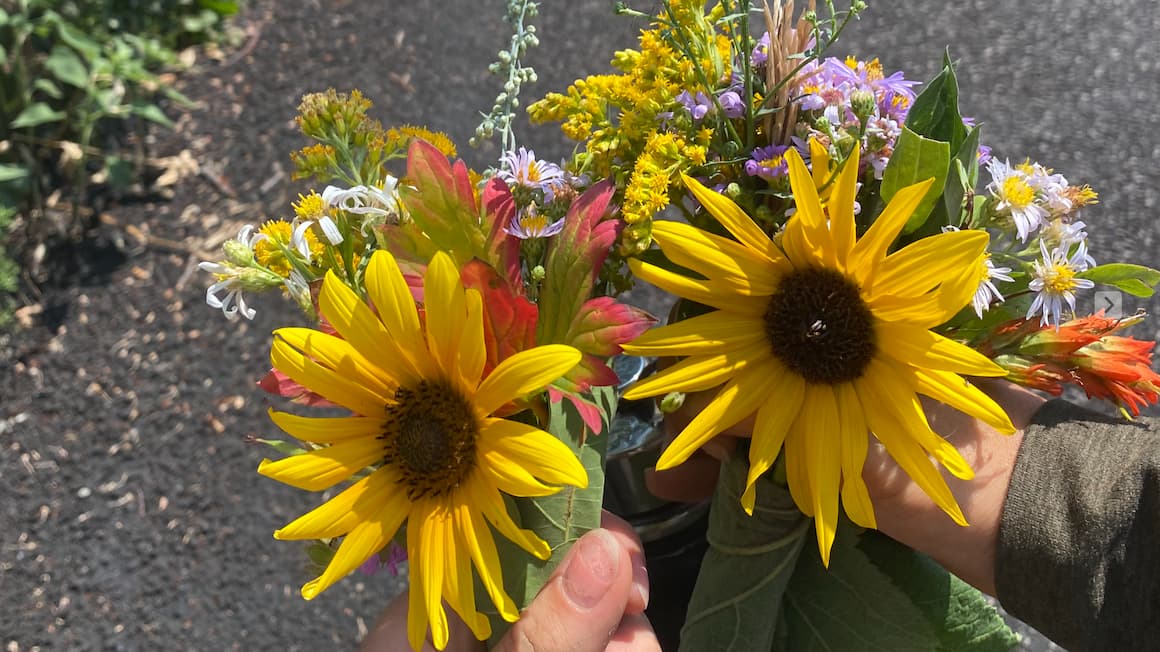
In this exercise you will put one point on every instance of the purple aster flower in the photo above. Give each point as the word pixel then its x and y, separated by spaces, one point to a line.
pixel 530 223
pixel 984 155
pixel 768 163
pixel 760 53
pixel 389 558
pixel 731 104
pixel 698 106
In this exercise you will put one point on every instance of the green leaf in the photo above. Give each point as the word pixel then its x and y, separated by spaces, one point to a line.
pixel 935 113
pixel 120 172
pixel 221 7
pixel 78 40
pixel 962 179
pixel 960 615
pixel 441 203
pixel 559 519
pixel 151 112
pixel 65 65
pixel 12 172
pixel 36 114
pixel 916 158
pixel 48 87
pixel 1136 280
pixel 749 563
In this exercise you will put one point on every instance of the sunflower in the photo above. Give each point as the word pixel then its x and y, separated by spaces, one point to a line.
pixel 422 425
pixel 822 336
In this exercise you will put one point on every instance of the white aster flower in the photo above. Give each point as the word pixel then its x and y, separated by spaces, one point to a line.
pixel 1059 233
pixel 1055 281
pixel 521 168
pixel 987 293
pixel 530 223
pixel 1018 197
pixel 229 286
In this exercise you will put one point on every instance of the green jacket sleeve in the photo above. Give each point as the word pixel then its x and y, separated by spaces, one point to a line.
pixel 1078 555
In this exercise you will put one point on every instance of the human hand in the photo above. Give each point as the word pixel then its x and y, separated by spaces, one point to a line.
pixel 594 602
pixel 903 510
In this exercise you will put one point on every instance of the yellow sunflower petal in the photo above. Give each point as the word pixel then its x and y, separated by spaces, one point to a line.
pixel 709 293
pixel 472 350
pixel 823 455
pixel 896 383
pixel 511 477
pixel 396 307
pixel 446 309
pixel 737 400
pixel 373 497
pixel 485 497
pixel 323 468
pixel 714 333
pixel 719 259
pixel 925 311
pixel 416 600
pixel 810 217
pixel 920 266
pixel 458 588
pixel 871 249
pixel 434 525
pixel 329 366
pixel 364 540
pixel 694 374
pixel 774 418
pixel 548 458
pixel 855 443
pixel 523 373
pixel 926 350
pixel 797 468
pixel 905 451
pixel 360 327
pixel 733 219
pixel 476 537
pixel 326 430
pixel 959 393
pixel 841 209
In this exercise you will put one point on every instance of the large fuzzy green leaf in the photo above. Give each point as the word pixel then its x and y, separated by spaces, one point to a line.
pixel 559 519
pixel 917 158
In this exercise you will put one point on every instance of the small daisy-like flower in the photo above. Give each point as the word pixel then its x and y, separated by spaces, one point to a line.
pixel 1060 233
pixel 522 168
pixel 273 240
pixel 768 163
pixel 1055 281
pixel 226 294
pixel 531 223
pixel 987 293
pixel 365 200
pixel 1017 197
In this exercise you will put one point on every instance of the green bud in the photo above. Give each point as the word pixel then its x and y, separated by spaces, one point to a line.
pixel 863 103
pixel 258 279
pixel 733 190
pixel 672 402
pixel 538 273
pixel 238 253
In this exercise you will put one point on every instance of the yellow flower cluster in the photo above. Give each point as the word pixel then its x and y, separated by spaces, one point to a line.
pixel 403 135
pixel 647 193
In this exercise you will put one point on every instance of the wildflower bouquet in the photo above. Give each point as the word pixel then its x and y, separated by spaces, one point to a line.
pixel 836 252
pixel 836 256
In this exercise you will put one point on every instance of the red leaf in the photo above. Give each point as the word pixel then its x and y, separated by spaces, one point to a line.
pixel 604 324
pixel 440 201
pixel 573 261
pixel 509 324
pixel 503 249
pixel 277 383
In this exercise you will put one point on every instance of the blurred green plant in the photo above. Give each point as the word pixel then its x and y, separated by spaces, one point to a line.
pixel 77 75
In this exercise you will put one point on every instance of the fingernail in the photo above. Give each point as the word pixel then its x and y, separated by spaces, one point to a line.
pixel 640 581
pixel 594 563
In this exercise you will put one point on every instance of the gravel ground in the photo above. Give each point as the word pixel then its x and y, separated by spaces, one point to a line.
pixel 130 514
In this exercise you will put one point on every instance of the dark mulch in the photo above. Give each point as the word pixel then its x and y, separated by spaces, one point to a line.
pixel 130 513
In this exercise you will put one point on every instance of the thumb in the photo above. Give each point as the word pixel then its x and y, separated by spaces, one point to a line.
pixel 581 605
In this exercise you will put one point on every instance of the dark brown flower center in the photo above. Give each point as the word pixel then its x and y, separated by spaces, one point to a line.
pixel 819 326
pixel 429 436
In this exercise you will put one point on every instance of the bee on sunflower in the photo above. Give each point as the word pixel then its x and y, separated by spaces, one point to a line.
pixel 824 337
